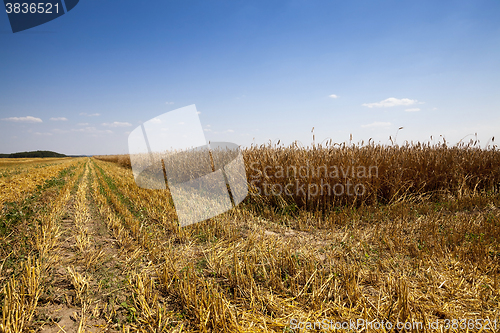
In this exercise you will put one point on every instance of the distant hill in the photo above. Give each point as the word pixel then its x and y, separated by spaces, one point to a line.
pixel 32 154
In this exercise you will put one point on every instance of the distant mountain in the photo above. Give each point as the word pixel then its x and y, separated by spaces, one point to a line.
pixel 31 154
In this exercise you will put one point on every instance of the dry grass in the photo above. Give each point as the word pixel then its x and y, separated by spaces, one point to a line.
pixel 23 290
pixel 387 173
pixel 423 245
pixel 37 160
pixel 418 248
pixel 318 177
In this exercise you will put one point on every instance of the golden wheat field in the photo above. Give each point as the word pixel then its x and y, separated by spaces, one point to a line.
pixel 416 248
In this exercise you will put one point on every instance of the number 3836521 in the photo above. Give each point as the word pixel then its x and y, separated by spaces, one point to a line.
pixel 25 8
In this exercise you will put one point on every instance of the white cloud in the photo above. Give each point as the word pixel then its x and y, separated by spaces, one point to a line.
pixel 91 130
pixel 198 112
pixel 155 121
pixel 60 131
pixel 27 119
pixel 168 103
pixel 90 115
pixel 83 124
pixel 377 124
pixel 44 134
pixel 389 102
pixel 117 124
pixel 59 119
pixel 217 132
pixel 333 96
pixel 412 110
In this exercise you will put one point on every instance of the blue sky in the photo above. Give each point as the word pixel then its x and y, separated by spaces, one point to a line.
pixel 256 70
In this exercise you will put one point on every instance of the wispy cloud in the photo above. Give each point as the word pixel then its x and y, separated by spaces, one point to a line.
pixel 168 103
pixel 117 124
pixel 86 129
pixel 412 110
pixel 27 119
pixel 216 132
pixel 44 134
pixel 377 124
pixel 91 130
pixel 59 119
pixel 389 102
pixel 83 124
pixel 60 131
pixel 333 96
pixel 90 115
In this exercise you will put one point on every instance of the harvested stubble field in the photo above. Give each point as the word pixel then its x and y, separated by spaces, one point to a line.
pixel 83 249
